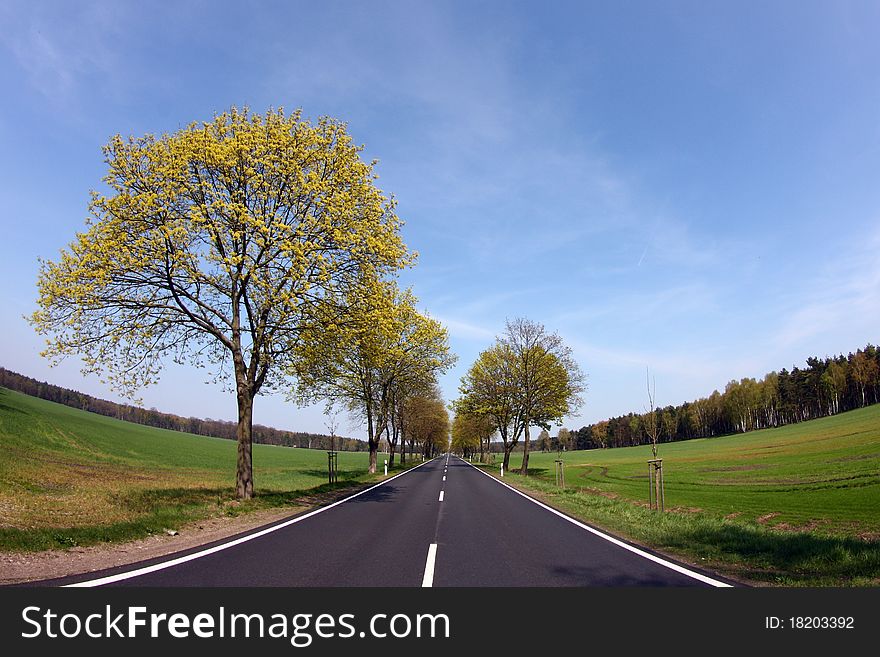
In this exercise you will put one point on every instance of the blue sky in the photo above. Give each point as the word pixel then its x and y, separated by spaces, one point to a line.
pixel 691 187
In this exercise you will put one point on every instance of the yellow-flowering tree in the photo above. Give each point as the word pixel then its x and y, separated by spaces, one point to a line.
pixel 465 440
pixel 217 245
pixel 427 421
pixel 368 365
pixel 472 428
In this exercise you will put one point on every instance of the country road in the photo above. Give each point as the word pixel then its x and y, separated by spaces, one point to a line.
pixel 443 523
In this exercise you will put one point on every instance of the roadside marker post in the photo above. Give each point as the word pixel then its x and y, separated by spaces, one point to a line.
pixel 502 469
pixel 386 467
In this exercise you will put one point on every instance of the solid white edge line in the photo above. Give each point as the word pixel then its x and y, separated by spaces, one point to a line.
pixel 441 495
pixel 611 539
pixel 428 578
pixel 217 548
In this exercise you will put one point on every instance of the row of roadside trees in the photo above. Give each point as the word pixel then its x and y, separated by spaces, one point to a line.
pixel 259 247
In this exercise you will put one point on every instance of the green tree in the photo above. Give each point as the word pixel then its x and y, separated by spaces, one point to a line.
pixel 544 440
pixel 489 389
pixel 548 380
pixel 864 371
pixel 216 245
pixel 388 344
pixel 564 439
pixel 527 378
pixel 465 440
pixel 669 421
pixel 599 433
pixel 428 423
pixel 834 381
pixel 473 427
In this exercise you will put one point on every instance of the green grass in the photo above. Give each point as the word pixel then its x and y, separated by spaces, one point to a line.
pixel 798 505
pixel 68 477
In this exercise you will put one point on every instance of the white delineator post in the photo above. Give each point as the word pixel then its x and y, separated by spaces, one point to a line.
pixel 502 469
pixel 386 467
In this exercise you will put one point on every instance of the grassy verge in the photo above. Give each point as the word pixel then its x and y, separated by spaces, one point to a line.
pixel 742 550
pixel 797 505
pixel 822 476
pixel 157 511
pixel 70 478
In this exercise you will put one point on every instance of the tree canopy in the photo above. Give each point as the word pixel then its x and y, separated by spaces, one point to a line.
pixel 548 380
pixel 388 351
pixel 216 245
pixel 527 378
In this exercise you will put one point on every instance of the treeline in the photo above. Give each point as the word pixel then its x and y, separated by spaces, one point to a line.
pixel 153 418
pixel 824 387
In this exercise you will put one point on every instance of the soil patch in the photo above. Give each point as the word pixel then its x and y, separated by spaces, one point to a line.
pixel 767 517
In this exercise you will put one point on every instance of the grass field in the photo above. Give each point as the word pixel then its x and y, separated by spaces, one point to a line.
pixel 794 505
pixel 68 477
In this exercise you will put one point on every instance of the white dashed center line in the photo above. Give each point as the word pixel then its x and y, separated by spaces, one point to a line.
pixel 428 579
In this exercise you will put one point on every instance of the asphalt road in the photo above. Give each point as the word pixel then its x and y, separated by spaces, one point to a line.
pixel 443 523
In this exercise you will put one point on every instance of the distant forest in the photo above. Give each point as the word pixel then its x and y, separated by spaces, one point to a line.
pixel 824 387
pixel 154 418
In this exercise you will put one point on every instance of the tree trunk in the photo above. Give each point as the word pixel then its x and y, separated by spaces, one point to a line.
pixel 372 442
pixel 393 446
pixel 525 464
pixel 244 475
pixel 505 463
pixel 374 456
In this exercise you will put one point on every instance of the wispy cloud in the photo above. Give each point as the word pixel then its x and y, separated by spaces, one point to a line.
pixel 58 47
pixel 485 158
pixel 842 298
pixel 657 306
pixel 464 330
pixel 660 361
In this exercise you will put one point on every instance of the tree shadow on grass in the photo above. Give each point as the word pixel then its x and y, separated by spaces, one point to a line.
pixel 151 499
pixel 796 555
pixel 155 510
pixel 322 472
pixel 5 408
pixel 534 472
